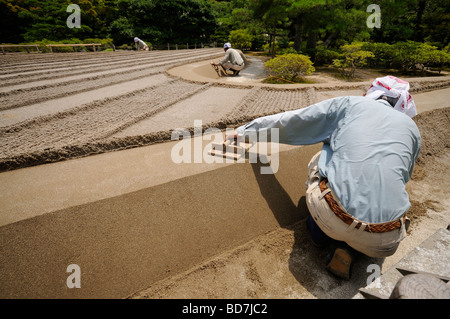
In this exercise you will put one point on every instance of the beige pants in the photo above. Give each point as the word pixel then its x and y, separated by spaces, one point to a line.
pixel 370 244
pixel 229 65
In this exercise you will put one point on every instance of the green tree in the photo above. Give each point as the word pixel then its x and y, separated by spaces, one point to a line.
pixel 222 11
pixel 39 19
pixel 435 23
pixel 299 11
pixel 273 17
pixel 311 24
pixel 47 20
pixel 11 26
pixel 326 22
pixel 241 39
pixel 121 31
pixel 165 21
pixel 239 14
pixel 415 20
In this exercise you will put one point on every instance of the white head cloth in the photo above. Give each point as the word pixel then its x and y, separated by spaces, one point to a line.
pixel 396 88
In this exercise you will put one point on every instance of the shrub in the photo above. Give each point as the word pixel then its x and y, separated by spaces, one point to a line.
pixel 353 57
pixel 290 66
pixel 413 55
pixel 408 54
pixel 106 43
pixel 288 50
pixel 44 48
pixel 125 47
pixel 441 59
pixel 325 56
pixel 271 47
pixel 258 42
pixel 384 54
pixel 241 39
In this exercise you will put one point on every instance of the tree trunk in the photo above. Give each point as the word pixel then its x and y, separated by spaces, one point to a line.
pixel 418 36
pixel 270 43
pixel 273 46
pixel 298 33
pixel 274 41
pixel 329 39
pixel 311 44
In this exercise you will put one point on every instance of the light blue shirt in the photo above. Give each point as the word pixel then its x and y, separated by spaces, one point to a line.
pixel 368 153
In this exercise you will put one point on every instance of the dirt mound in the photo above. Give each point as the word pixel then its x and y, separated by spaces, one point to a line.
pixel 434 128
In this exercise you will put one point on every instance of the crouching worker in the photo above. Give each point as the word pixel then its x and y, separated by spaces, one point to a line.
pixel 232 60
pixel 356 186
pixel 140 45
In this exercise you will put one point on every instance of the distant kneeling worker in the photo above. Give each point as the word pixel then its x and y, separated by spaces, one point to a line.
pixel 232 60
pixel 140 45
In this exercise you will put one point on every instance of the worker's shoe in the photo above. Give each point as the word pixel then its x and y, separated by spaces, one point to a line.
pixel 235 72
pixel 340 263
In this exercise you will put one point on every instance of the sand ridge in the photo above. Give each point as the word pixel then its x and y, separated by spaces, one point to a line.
pixel 118 110
pixel 128 108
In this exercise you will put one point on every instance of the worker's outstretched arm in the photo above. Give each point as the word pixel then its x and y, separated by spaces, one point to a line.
pixel 310 125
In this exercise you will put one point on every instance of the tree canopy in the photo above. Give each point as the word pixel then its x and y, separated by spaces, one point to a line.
pixel 301 24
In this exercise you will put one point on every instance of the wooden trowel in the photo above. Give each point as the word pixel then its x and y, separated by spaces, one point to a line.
pixel 230 149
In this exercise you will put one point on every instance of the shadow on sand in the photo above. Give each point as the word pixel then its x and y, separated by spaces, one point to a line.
pixel 307 262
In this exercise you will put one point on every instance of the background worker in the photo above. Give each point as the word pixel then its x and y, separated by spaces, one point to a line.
pixel 232 60
pixel 140 45
pixel 356 184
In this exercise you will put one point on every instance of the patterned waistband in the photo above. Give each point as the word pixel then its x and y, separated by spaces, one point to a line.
pixel 349 219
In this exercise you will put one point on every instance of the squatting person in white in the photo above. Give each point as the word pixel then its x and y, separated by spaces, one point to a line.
pixel 356 186
pixel 232 60
pixel 140 45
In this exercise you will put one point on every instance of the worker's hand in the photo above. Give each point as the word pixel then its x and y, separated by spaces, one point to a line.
pixel 232 136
